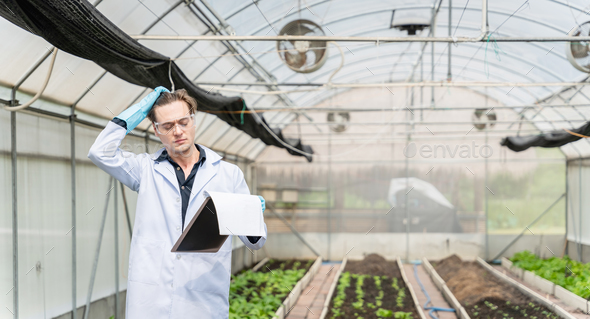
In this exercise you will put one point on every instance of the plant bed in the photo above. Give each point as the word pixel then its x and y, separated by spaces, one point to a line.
pixel 569 274
pixel 260 294
pixel 485 296
pixel 372 288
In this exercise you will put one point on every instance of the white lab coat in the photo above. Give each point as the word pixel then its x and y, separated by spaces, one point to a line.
pixel 162 284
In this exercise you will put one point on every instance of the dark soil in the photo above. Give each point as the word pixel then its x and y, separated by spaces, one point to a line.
pixel 493 308
pixel 485 296
pixel 375 265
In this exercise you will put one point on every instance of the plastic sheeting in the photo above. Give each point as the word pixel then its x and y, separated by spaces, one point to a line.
pixel 578 203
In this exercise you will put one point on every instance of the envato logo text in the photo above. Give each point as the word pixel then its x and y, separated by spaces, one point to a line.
pixel 463 150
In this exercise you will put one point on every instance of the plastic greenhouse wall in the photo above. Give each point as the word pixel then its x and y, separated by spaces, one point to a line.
pixel 351 176
pixel 345 191
pixel 578 220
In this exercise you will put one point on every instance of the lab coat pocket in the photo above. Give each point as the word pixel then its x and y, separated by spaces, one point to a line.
pixel 210 272
pixel 145 260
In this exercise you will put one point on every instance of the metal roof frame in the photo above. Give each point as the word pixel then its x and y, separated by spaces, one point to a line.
pixel 249 66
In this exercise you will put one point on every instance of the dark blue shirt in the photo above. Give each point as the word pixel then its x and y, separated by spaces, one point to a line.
pixel 185 185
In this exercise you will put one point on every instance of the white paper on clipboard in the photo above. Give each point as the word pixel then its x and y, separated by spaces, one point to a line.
pixel 238 214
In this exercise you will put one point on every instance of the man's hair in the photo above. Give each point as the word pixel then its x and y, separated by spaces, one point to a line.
pixel 167 98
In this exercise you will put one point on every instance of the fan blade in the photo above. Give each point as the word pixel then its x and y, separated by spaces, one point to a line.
pixel 579 49
pixel 318 48
pixel 300 29
pixel 295 60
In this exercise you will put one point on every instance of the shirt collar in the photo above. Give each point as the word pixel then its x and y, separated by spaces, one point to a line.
pixel 164 155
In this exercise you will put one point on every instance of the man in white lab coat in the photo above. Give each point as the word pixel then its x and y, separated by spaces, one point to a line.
pixel 170 185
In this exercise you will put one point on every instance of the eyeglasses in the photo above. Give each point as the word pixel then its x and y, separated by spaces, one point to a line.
pixel 184 122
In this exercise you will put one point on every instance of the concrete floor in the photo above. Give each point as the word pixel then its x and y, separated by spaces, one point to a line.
pixel 436 297
pixel 311 302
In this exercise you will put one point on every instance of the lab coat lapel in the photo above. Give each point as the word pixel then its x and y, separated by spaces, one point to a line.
pixel 205 172
pixel 167 170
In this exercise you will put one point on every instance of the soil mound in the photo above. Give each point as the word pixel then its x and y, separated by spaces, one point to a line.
pixel 374 265
pixel 471 283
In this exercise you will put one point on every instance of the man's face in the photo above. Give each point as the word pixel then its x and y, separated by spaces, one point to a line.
pixel 178 140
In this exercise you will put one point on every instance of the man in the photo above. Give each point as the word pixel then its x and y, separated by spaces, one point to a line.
pixel 170 185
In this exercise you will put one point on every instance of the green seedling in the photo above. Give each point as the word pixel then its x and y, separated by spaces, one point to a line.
pixel 400 298
pixel 403 315
pixel 260 294
pixel 384 313
pixel 394 284
pixel 569 274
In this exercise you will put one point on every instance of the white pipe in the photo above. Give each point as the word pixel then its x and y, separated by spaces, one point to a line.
pixel 24 106
pixel 484 17
pixel 480 38
pixel 406 84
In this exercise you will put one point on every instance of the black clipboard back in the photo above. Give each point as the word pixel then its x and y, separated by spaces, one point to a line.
pixel 201 235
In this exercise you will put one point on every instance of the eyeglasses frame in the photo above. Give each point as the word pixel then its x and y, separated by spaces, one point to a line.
pixel 157 124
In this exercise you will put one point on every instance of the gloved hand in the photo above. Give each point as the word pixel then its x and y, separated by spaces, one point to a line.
pixel 254 239
pixel 263 202
pixel 136 113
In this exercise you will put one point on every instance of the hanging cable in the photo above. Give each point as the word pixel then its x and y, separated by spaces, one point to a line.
pixel 170 76
pixel 576 134
pixel 242 113
pixel 24 106
pixel 341 62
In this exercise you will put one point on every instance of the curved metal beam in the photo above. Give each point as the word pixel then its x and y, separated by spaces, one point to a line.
pixel 426 7
pixel 551 73
pixel 533 44
pixel 471 89
pixel 465 77
pixel 460 56
pixel 555 75
pixel 352 16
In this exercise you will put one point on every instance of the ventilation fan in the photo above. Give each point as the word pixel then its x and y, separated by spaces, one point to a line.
pixel 338 121
pixel 483 118
pixel 303 56
pixel 578 53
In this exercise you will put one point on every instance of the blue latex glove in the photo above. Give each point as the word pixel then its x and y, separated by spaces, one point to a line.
pixel 263 202
pixel 136 113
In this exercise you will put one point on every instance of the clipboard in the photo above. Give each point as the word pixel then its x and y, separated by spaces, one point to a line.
pixel 221 215
pixel 201 235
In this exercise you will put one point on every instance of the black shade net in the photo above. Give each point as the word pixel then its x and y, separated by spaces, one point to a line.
pixel 77 27
pixel 551 139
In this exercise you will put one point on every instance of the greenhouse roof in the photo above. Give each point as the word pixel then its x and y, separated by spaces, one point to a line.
pixel 533 78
